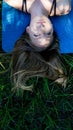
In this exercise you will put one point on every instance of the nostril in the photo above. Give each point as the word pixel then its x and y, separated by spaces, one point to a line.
pixel 42 26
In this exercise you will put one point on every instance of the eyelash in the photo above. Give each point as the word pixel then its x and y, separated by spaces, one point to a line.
pixel 36 35
pixel 49 33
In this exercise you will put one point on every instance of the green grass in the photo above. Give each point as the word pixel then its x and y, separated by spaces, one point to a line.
pixel 48 107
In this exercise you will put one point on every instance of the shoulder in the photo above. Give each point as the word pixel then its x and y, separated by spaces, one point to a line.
pixel 14 3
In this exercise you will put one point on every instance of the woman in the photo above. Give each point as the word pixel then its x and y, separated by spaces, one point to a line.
pixel 40 29
pixel 28 60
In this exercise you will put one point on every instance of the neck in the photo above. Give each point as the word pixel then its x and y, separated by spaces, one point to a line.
pixel 37 9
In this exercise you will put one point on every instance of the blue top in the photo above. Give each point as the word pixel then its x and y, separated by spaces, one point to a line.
pixel 14 23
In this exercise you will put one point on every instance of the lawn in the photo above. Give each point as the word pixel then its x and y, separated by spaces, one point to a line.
pixel 48 107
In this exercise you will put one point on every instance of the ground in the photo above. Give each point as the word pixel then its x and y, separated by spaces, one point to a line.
pixel 48 107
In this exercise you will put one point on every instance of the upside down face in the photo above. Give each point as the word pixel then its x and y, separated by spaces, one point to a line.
pixel 40 32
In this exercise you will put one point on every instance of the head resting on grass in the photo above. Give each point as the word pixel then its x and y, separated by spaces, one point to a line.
pixel 27 63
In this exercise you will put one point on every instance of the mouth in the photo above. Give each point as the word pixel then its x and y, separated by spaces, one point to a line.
pixel 41 22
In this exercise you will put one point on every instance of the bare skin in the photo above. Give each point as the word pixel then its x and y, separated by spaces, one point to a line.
pixel 40 29
pixel 62 7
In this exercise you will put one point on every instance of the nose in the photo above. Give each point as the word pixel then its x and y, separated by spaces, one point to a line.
pixel 46 31
pixel 42 28
pixel 41 24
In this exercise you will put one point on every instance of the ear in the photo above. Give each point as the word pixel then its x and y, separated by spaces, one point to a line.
pixel 27 29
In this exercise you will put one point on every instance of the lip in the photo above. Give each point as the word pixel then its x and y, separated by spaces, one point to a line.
pixel 41 21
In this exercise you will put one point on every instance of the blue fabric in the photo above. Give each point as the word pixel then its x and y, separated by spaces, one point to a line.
pixel 14 23
pixel 63 26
